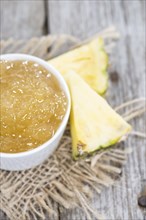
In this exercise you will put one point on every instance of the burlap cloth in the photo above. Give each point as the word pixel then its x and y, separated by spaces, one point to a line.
pixel 28 195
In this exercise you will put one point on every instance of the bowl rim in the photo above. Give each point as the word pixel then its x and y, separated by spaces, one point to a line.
pixel 63 84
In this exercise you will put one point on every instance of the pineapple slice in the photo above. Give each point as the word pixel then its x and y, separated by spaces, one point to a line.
pixel 94 124
pixel 90 61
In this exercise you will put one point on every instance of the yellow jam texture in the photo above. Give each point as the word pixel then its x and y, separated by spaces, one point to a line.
pixel 32 105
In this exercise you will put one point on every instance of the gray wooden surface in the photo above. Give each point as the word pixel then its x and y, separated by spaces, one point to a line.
pixel 24 19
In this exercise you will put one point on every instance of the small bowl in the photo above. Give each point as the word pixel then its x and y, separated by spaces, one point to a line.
pixel 32 158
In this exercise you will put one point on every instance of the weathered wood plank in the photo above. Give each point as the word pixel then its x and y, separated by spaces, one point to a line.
pixel 83 19
pixel 22 19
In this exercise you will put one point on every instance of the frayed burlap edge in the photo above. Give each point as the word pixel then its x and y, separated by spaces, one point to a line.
pixel 29 194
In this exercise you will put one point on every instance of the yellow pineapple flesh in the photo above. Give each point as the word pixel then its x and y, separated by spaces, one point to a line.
pixel 94 124
pixel 90 61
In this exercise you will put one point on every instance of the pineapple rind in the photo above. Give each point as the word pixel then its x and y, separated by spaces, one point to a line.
pixel 94 124
pixel 90 61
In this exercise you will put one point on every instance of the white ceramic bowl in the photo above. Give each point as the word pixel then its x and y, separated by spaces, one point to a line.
pixel 29 159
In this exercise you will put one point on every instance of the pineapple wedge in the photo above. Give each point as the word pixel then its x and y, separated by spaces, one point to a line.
pixel 94 124
pixel 90 61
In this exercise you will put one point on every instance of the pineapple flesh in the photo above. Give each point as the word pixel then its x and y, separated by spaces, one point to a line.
pixel 94 124
pixel 90 61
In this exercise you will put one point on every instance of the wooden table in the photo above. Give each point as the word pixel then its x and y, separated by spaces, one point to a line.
pixel 27 18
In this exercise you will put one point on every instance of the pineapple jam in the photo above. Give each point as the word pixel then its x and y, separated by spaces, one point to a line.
pixel 32 105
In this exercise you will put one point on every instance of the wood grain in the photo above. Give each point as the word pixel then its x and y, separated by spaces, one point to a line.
pixel 83 19
pixel 22 19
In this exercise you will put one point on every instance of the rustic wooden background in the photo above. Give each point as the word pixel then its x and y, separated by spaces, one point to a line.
pixel 28 18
